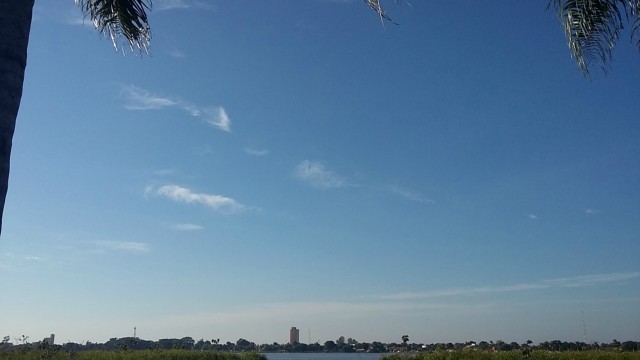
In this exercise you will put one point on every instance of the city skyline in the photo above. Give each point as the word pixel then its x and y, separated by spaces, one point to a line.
pixel 294 339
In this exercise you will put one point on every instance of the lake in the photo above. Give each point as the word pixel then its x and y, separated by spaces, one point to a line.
pixel 324 356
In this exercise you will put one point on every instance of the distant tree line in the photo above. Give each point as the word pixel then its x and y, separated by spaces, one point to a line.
pixel 339 345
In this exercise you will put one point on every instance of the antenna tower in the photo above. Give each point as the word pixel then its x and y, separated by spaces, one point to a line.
pixel 134 332
pixel 584 324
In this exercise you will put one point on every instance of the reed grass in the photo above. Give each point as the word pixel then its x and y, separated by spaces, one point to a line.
pixel 129 355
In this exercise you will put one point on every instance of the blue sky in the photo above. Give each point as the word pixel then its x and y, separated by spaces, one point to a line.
pixel 298 163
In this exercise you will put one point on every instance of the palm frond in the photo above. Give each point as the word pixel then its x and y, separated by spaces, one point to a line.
pixel 121 19
pixel 634 12
pixel 377 7
pixel 592 28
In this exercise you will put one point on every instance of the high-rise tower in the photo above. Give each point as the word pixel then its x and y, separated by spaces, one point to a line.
pixel 294 336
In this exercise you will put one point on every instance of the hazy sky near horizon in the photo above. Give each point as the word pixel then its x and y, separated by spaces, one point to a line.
pixel 298 163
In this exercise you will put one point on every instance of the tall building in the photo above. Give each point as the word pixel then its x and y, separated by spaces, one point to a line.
pixel 294 336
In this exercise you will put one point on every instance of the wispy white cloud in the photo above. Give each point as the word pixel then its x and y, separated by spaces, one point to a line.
pixel 183 195
pixel 591 211
pixel 75 18
pixel 317 175
pixel 460 291
pixel 178 54
pixel 33 258
pixel 256 152
pixel 577 281
pixel 187 227
pixel 141 99
pixel 218 117
pixel 533 216
pixel 68 15
pixel 410 194
pixel 125 246
pixel 138 98
pixel 170 4
pixel 162 5
pixel 11 262
pixel 588 280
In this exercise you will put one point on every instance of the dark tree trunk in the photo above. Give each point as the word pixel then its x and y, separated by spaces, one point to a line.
pixel 15 24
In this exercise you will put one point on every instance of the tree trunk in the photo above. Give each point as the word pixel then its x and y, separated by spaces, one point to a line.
pixel 15 24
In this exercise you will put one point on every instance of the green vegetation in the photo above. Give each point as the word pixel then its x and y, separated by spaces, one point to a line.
pixel 48 354
pixel 188 348
pixel 515 355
